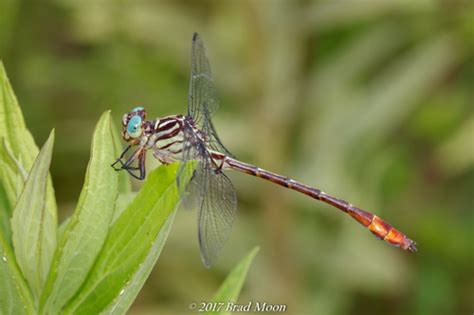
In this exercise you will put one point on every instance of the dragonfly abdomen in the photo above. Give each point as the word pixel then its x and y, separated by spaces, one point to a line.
pixel 373 223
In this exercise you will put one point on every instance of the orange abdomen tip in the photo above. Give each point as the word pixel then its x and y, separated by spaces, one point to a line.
pixel 398 239
pixel 385 231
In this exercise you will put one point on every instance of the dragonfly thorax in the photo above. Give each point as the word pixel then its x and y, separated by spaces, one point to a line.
pixel 166 137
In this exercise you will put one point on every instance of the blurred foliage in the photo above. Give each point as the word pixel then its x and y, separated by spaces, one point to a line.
pixel 369 100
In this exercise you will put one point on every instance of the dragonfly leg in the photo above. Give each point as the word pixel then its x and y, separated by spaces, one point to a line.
pixel 119 159
pixel 141 163
pixel 140 155
pixel 141 167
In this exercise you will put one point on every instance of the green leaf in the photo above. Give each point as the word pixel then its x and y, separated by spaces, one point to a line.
pixel 13 176
pixel 15 297
pixel 123 200
pixel 62 227
pixel 13 172
pixel 12 124
pixel 230 288
pixel 5 229
pixel 132 238
pixel 33 225
pixel 87 230
pixel 10 159
pixel 23 149
pixel 130 291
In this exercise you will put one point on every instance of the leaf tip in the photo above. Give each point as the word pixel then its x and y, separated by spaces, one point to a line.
pixel 51 136
pixel 251 255
pixel 3 73
pixel 255 250
pixel 106 117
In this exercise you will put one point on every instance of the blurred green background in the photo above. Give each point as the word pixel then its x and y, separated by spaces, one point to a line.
pixel 371 101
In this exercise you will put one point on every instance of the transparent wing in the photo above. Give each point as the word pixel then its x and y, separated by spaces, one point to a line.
pixel 218 204
pixel 202 100
pixel 213 140
pixel 211 192
pixel 202 93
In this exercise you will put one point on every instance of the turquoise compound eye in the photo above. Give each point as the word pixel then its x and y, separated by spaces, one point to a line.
pixel 136 109
pixel 134 127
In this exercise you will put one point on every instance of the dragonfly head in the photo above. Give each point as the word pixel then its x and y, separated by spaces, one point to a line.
pixel 132 125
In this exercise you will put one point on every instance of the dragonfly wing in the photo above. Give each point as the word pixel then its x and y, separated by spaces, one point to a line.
pixel 203 100
pixel 202 93
pixel 218 204
pixel 216 197
pixel 210 191
pixel 213 142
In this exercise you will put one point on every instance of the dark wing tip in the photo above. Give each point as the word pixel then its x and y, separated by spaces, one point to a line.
pixel 195 36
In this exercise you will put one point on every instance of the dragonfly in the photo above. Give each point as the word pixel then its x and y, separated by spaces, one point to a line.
pixel 192 137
